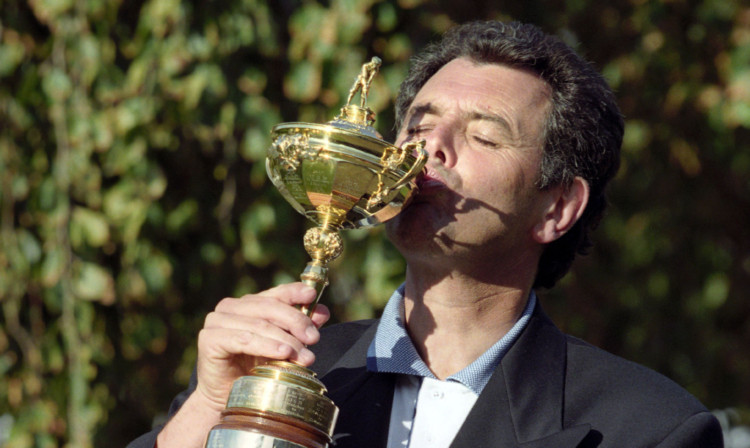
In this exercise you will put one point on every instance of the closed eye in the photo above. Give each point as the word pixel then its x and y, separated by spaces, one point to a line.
pixel 481 140
pixel 417 131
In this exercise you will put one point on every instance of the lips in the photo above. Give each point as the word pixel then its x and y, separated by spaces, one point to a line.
pixel 430 181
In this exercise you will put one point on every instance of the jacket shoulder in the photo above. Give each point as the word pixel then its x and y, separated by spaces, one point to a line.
pixel 615 377
pixel 625 400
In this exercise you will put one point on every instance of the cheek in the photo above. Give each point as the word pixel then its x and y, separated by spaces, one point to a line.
pixel 520 171
pixel 500 174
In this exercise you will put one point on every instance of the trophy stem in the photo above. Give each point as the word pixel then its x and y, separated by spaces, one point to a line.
pixel 316 276
pixel 323 244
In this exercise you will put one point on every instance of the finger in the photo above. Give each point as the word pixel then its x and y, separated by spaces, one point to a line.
pixel 275 306
pixel 321 315
pixel 261 326
pixel 270 310
pixel 222 344
pixel 291 293
pixel 288 294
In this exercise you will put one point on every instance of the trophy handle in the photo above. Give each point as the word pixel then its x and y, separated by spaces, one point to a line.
pixel 391 161
pixel 416 166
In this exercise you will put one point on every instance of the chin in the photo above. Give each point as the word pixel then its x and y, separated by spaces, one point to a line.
pixel 410 235
pixel 391 229
pixel 396 232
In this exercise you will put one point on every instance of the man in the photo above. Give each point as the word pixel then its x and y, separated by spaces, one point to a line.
pixel 523 136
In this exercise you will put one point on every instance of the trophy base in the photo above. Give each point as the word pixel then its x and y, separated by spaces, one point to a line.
pixel 279 404
pixel 229 437
pixel 248 428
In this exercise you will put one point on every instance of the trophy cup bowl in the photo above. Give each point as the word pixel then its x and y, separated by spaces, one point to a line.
pixel 340 175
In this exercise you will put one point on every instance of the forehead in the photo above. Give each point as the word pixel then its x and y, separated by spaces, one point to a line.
pixel 489 87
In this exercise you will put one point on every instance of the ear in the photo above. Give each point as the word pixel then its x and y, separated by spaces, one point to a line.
pixel 564 208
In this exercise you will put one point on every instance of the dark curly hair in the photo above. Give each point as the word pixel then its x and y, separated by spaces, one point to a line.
pixel 583 130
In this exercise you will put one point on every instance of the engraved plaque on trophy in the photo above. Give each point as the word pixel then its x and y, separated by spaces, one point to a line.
pixel 340 175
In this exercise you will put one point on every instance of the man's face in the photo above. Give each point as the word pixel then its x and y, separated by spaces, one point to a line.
pixel 483 124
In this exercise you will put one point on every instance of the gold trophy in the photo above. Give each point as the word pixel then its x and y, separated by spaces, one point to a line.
pixel 341 175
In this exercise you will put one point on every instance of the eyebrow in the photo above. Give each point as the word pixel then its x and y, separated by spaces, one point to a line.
pixel 421 109
pixel 497 119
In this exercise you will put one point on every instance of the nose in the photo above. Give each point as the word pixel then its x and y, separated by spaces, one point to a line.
pixel 441 146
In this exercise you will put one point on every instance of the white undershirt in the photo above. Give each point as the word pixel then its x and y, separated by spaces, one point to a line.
pixel 427 413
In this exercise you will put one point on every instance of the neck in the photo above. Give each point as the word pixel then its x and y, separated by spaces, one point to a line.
pixel 453 319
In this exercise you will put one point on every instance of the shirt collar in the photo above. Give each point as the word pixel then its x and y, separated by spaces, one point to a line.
pixel 392 350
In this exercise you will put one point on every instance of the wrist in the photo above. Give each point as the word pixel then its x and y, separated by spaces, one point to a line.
pixel 191 424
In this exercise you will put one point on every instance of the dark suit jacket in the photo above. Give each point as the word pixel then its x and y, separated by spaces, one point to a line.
pixel 550 390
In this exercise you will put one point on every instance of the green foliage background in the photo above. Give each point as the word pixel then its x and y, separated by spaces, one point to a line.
pixel 133 194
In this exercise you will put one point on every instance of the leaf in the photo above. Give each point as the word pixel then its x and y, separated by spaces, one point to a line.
pixel 183 216
pixel 716 290
pixel 254 145
pixel 94 283
pixel 29 245
pixel 303 82
pixel 48 10
pixel 91 225
pixel 56 85
pixel 52 267
pixel 11 53
pixel 156 270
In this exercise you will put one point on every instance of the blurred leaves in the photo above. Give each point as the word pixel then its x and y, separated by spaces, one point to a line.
pixel 133 193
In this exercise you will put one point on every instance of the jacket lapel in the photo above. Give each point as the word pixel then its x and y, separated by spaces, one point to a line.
pixel 364 398
pixel 522 405
pixel 490 422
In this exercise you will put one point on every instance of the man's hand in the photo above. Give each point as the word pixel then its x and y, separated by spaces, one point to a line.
pixel 238 335
pixel 242 333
